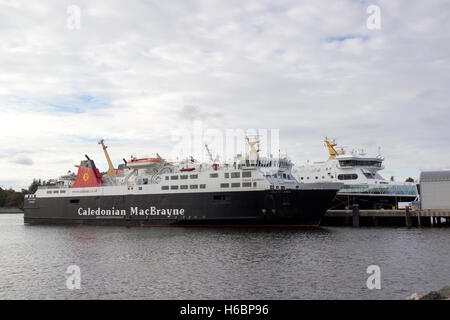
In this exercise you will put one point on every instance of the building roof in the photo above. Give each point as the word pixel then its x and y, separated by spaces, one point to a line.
pixel 429 176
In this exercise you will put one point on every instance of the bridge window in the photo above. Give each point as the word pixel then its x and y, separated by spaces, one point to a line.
pixel 246 174
pixel 361 163
pixel 235 175
pixel 174 178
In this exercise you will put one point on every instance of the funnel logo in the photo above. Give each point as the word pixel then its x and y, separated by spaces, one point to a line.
pixel 86 177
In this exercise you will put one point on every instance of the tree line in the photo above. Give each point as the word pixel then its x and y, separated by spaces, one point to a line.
pixel 10 198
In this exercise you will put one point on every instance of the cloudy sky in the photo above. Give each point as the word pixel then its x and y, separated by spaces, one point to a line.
pixel 137 73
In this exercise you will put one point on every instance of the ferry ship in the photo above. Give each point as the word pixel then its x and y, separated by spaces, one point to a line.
pixel 363 185
pixel 248 191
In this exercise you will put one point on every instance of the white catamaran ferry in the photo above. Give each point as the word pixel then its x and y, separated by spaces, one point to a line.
pixel 363 184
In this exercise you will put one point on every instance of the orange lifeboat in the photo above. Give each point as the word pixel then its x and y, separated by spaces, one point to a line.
pixel 136 163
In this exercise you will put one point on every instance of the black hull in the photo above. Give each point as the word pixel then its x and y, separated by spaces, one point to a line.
pixel 249 208
pixel 369 201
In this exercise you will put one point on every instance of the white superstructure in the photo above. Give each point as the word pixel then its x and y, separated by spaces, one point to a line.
pixel 358 172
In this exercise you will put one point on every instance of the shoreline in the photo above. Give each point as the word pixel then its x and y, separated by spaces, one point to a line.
pixel 10 211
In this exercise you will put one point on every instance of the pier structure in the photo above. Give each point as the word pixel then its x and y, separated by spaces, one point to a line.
pixel 408 218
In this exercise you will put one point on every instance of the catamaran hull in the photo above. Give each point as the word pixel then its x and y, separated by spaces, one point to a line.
pixel 251 208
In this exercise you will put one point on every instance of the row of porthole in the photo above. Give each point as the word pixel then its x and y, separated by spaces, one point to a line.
pixel 352 176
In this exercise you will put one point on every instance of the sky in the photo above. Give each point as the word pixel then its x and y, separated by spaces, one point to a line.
pixel 141 73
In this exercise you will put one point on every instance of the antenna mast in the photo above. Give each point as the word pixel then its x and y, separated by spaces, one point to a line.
pixel 209 153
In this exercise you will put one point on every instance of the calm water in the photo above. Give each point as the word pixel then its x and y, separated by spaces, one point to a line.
pixel 195 263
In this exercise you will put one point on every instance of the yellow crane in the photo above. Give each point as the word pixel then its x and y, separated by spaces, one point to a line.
pixel 111 170
pixel 330 144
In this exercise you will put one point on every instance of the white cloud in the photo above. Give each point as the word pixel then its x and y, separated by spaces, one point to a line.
pixel 135 72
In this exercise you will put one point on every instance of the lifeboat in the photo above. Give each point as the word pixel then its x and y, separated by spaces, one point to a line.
pixel 135 163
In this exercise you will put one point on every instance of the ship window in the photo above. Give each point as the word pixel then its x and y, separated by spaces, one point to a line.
pixel 145 181
pixel 74 200
pixel 194 186
pixel 235 175
pixel 362 163
pixel 224 185
pixel 254 184
pixel 194 176
pixel 369 175
pixel 235 185
pixel 173 187
pixel 203 186
pixel 284 175
pixel 317 178
pixel 140 188
pixel 165 188
pixel 247 184
pixel 167 177
pixel 63 191
pixel 174 178
pixel 227 175
pixel 184 177
pixel 247 174
pixel 213 175
pixel 302 178
pixel 183 187
pixel 49 192
pixel 352 176
pixel 332 177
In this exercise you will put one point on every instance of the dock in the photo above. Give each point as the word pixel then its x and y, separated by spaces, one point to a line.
pixel 408 218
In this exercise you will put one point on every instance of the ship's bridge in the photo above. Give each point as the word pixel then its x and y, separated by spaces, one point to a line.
pixel 351 162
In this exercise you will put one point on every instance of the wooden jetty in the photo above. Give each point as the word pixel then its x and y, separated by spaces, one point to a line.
pixel 408 218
